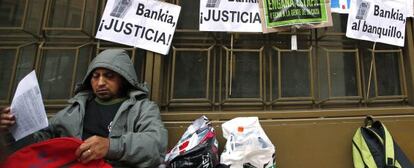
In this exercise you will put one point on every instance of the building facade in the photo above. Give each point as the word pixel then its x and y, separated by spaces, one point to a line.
pixel 310 101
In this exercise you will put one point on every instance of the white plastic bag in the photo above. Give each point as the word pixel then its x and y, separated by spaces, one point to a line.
pixel 247 144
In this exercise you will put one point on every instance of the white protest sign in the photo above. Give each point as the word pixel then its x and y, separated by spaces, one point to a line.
pixel 230 16
pixel 147 24
pixel 378 21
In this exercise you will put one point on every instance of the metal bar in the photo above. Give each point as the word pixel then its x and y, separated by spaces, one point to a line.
pixel 384 51
pixel 62 28
pixel 231 64
pixel 262 79
pixel 328 62
pixel 208 72
pixel 173 73
pixel 358 74
pixel 46 16
pixel 189 100
pixel 403 82
pixel 390 97
pixel 312 94
pixel 83 15
pixel 220 80
pixel 270 79
pixel 279 76
pixel 189 104
pixel 39 57
pixel 156 79
pixel 169 80
pixel 213 99
pixel 226 72
pixel 26 6
pixel 375 76
pixel 294 98
pixel 370 71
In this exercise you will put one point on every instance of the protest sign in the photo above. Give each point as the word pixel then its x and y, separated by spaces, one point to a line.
pixel 294 12
pixel 266 29
pixel 230 16
pixel 378 21
pixel 340 6
pixel 147 24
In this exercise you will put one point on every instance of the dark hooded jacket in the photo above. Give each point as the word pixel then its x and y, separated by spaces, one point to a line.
pixel 137 135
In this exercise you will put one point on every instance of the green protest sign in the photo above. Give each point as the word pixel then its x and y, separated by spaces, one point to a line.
pixel 293 12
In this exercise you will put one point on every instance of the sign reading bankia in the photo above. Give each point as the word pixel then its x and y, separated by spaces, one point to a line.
pixel 378 21
pixel 145 24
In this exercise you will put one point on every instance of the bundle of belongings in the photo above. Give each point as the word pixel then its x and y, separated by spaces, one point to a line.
pixel 247 144
pixel 58 152
pixel 197 148
pixel 374 147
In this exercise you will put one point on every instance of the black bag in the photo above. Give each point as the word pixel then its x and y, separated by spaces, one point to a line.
pixel 204 155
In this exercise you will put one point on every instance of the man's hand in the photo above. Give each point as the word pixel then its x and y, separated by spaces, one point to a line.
pixel 93 148
pixel 6 119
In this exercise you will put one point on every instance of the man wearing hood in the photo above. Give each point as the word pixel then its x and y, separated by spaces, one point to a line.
pixel 111 112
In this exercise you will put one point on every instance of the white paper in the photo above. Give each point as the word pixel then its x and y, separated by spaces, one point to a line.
pixel 377 21
pixel 148 24
pixel 27 107
pixel 294 42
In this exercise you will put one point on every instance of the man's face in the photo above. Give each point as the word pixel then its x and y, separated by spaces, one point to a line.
pixel 106 84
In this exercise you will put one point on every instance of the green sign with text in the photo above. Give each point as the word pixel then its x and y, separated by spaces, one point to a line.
pixel 294 12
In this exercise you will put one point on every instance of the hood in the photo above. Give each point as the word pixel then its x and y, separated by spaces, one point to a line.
pixel 116 60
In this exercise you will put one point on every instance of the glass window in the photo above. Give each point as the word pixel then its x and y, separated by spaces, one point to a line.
pixel 339 74
pixel 291 74
pixel 189 78
pixel 343 74
pixel 21 17
pixel 11 13
pixel 245 75
pixel 71 18
pixel 65 13
pixel 7 59
pixel 56 73
pixel 388 74
pixel 34 16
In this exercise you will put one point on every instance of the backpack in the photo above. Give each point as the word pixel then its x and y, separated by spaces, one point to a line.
pixel 374 147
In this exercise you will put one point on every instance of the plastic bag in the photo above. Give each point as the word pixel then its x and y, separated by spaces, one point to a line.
pixel 247 144
pixel 197 147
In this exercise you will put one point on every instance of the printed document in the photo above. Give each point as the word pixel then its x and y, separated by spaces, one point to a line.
pixel 27 107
